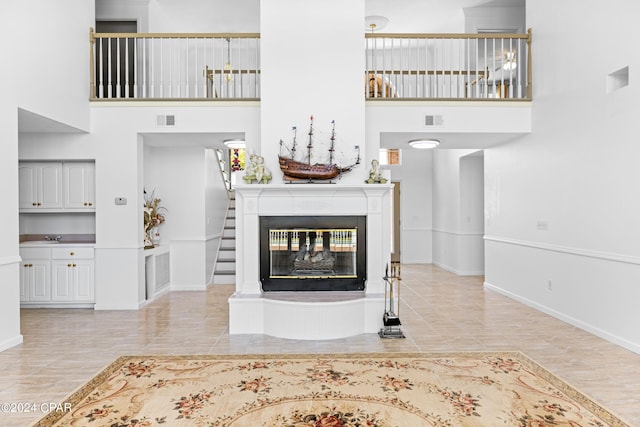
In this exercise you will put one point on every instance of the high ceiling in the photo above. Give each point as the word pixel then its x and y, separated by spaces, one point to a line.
pixel 429 16
pixel 432 16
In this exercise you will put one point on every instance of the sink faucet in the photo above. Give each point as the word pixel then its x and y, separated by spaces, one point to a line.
pixel 55 238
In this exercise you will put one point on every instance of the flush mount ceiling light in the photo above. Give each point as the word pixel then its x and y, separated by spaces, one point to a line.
pixel 424 143
pixel 234 143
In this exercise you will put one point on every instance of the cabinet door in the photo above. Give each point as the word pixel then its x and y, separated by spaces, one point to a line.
pixel 62 281
pixel 25 280
pixel 50 182
pixel 28 185
pixel 39 280
pixel 78 181
pixel 83 281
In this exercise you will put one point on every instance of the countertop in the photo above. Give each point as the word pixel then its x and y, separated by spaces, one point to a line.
pixel 52 240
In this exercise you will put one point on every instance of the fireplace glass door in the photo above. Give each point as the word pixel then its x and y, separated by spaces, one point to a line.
pixel 324 255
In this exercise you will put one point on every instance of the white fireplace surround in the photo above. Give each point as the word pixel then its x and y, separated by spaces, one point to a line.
pixel 309 315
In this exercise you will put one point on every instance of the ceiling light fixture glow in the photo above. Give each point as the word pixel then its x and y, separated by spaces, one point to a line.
pixel 424 143
pixel 234 143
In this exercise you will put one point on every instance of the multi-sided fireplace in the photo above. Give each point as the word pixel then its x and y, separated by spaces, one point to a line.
pixel 304 253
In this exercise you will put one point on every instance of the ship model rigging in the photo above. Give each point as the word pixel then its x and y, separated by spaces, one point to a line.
pixel 300 170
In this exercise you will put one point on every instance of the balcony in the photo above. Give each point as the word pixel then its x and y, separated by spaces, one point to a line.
pixel 159 66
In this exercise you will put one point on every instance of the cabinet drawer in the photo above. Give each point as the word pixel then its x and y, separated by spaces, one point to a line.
pixel 71 253
pixel 35 253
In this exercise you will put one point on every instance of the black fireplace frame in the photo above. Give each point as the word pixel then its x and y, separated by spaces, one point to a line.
pixel 278 284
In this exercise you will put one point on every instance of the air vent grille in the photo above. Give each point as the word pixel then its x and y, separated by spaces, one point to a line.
pixel 166 120
pixel 431 120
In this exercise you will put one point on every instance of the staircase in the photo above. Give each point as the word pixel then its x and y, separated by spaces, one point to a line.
pixel 225 269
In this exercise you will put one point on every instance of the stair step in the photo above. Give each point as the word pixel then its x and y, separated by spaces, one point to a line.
pixel 224 279
pixel 224 273
pixel 225 268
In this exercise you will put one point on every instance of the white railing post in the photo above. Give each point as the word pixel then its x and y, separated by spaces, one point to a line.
pixel 126 67
pixel 100 57
pixel 109 87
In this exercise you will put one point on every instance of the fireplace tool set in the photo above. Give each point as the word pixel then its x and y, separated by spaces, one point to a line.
pixel 391 318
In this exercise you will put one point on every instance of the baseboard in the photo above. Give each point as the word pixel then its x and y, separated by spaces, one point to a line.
pixel 458 272
pixel 7 344
pixel 188 287
pixel 568 319
pixel 100 307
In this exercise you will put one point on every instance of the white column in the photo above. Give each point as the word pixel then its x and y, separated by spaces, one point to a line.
pixel 312 59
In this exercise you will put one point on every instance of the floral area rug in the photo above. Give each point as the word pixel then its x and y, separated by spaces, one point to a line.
pixel 373 390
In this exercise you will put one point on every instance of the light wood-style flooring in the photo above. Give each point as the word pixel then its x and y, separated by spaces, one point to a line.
pixel 63 348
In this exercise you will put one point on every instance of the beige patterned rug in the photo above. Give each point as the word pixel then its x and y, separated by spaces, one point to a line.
pixel 346 390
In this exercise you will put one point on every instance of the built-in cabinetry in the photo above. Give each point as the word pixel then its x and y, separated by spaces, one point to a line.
pixel 35 275
pixel 40 185
pixel 54 186
pixel 57 275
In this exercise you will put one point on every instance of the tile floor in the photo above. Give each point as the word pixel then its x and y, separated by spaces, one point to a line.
pixel 440 312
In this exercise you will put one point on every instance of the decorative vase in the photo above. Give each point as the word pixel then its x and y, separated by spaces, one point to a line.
pixel 155 237
pixel 148 239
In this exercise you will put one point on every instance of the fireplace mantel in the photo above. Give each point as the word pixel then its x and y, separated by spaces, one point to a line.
pixel 305 317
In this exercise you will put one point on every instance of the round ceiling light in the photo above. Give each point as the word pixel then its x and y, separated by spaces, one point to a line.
pixel 424 143
pixel 234 143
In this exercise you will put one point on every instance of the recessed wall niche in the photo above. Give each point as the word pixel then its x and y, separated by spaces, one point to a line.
pixel 618 79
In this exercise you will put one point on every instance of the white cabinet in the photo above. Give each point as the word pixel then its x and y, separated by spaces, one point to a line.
pixel 72 278
pixel 35 280
pixel 40 185
pixel 57 186
pixel 61 275
pixel 78 185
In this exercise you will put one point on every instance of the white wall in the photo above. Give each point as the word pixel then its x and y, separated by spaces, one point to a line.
pixel 457 245
pixel 510 18
pixel 415 176
pixel 53 53
pixel 562 203
pixel 296 86
pixel 207 16
pixel 187 16
pixel 9 254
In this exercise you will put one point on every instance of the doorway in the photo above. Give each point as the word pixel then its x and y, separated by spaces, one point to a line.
pixel 471 208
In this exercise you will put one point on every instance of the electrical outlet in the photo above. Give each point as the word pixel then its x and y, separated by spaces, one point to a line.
pixel 121 201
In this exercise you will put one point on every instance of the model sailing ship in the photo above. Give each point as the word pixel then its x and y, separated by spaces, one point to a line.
pixel 296 170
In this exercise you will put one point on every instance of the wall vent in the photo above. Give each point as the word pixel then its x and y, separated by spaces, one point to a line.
pixel 433 120
pixel 168 120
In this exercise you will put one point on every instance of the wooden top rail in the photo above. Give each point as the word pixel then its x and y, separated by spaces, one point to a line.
pixel 447 36
pixel 95 35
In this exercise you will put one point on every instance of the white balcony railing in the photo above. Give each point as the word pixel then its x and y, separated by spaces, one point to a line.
pixel 227 66
pixel 175 66
pixel 448 66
